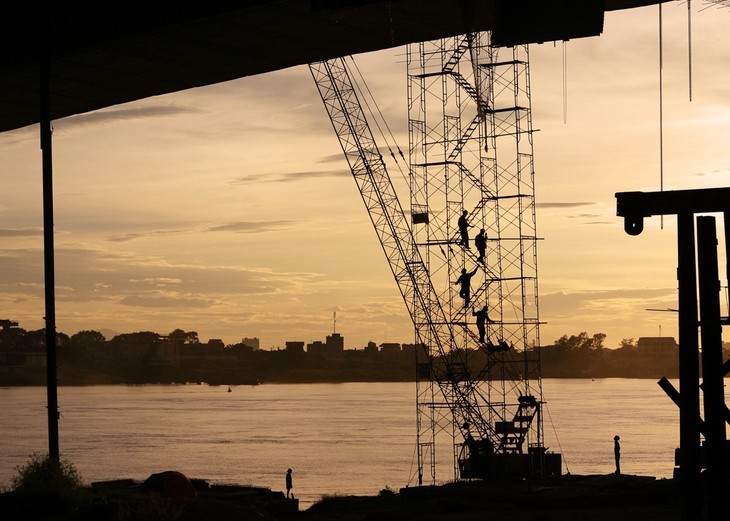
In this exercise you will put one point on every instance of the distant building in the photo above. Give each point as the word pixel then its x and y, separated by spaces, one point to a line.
pixel 656 346
pixel 335 343
pixel 215 346
pixel 412 348
pixel 660 352
pixel 253 343
pixel 7 324
pixel 389 348
pixel 316 347
pixel 372 347
pixel 240 349
pixel 295 347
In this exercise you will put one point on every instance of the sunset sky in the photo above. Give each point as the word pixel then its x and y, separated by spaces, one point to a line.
pixel 229 209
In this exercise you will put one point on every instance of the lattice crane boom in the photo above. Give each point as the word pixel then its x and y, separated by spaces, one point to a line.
pixel 434 331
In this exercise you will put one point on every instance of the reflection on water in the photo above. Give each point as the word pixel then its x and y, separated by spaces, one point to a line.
pixel 353 438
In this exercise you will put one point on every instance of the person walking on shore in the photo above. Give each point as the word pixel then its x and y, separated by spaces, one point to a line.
pixel 617 453
pixel 288 482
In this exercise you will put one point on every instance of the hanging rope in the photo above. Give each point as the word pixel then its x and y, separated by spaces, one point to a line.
pixel 661 110
pixel 378 115
pixel 689 44
pixel 411 475
pixel 565 82
pixel 379 112
pixel 560 448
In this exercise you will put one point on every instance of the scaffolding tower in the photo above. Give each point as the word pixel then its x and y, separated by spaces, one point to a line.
pixel 480 396
pixel 471 149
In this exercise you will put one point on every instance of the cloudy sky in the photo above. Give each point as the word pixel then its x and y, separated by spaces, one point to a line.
pixel 230 211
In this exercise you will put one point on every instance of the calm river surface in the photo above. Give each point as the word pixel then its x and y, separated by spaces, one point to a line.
pixel 352 438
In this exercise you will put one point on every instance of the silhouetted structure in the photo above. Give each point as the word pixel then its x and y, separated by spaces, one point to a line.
pixel 372 347
pixel 389 348
pixel 634 207
pixel 7 324
pixel 334 344
pixel 295 347
pixel 253 343
pixel 448 172
pixel 617 453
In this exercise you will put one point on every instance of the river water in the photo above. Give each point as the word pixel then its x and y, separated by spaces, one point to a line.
pixel 351 438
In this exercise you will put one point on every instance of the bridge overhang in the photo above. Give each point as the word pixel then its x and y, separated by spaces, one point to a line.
pixel 106 53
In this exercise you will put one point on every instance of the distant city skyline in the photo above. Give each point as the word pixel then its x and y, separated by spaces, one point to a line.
pixel 333 341
pixel 229 209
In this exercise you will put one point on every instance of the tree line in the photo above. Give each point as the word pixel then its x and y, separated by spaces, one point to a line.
pixel 87 357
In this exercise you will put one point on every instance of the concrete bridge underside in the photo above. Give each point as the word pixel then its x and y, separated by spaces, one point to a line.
pixel 106 53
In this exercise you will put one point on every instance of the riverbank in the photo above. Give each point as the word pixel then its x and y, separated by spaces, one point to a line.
pixel 596 497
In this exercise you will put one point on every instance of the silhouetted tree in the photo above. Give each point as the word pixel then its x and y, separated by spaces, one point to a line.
pixel 12 338
pixel 627 343
pixel 140 338
pixel 135 348
pixel 34 339
pixel 581 342
pixel 37 339
pixel 596 342
pixel 179 337
pixel 87 338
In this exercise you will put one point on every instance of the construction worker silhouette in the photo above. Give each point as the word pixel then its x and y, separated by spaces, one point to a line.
pixel 480 242
pixel 465 281
pixel 482 319
pixel 464 229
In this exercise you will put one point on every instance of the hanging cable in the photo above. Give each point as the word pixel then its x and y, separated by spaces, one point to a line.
pixel 560 448
pixel 565 82
pixel 661 110
pixel 411 475
pixel 377 114
pixel 689 44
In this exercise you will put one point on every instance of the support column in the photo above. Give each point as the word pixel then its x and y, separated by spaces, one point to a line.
pixel 689 432
pixel 712 370
pixel 48 253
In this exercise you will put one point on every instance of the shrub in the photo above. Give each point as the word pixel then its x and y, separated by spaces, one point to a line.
pixel 54 482
pixel 387 492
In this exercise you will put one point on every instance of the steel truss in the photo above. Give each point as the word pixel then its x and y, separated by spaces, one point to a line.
pixel 463 105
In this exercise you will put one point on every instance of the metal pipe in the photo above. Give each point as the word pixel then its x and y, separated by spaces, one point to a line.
pixel 48 253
